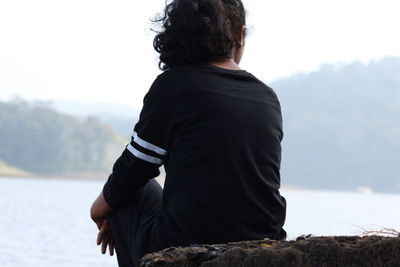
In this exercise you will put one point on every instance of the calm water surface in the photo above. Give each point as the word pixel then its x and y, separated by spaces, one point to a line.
pixel 46 223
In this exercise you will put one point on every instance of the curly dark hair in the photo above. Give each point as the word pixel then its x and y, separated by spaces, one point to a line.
pixel 198 31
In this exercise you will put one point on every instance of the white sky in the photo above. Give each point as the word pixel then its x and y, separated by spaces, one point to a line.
pixel 101 51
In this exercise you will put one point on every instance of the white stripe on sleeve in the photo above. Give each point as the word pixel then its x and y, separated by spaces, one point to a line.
pixel 143 156
pixel 148 145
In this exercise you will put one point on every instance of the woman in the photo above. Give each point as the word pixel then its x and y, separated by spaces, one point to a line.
pixel 217 130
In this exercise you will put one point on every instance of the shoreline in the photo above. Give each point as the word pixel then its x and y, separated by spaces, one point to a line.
pixel 71 177
pixel 103 176
pixel 99 177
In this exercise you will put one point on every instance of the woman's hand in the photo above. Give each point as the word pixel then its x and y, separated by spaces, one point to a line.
pixel 105 238
pixel 99 212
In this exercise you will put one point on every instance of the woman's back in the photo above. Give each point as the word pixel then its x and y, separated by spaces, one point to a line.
pixel 223 156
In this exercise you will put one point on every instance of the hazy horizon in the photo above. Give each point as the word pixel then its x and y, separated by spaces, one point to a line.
pixel 93 106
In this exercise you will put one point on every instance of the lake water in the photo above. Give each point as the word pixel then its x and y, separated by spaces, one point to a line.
pixel 46 222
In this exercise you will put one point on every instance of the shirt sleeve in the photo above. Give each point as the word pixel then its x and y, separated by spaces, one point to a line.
pixel 148 149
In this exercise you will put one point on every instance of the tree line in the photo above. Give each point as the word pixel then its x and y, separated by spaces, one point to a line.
pixel 342 126
pixel 38 139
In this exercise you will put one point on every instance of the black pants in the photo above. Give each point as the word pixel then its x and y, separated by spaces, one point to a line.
pixel 132 224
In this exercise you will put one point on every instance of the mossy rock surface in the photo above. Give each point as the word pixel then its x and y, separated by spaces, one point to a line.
pixel 313 251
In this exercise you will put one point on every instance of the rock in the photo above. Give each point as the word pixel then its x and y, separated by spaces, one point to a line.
pixel 306 251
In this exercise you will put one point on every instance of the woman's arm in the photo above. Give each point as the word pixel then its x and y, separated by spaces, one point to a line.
pixel 100 210
pixel 147 150
pixel 142 157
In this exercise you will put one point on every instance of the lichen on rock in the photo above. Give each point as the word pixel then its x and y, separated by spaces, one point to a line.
pixel 304 252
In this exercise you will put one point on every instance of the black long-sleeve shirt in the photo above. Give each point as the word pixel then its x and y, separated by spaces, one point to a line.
pixel 218 134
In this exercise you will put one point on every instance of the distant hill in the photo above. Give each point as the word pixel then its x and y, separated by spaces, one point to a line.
pixel 120 118
pixel 40 140
pixel 121 125
pixel 342 126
